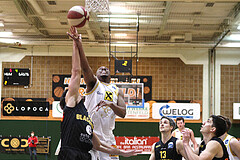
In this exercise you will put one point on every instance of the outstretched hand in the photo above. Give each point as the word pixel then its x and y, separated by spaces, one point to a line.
pixel 186 136
pixel 130 153
pixel 74 34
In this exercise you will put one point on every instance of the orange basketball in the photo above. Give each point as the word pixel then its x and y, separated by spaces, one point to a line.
pixel 56 79
pixel 146 90
pixel 58 91
pixel 29 100
pixel 145 80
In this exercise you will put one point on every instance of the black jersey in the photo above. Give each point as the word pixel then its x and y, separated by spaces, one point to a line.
pixel 202 147
pixel 167 151
pixel 225 153
pixel 76 133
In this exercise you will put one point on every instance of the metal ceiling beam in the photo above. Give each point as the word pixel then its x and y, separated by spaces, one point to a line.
pixel 235 14
pixel 24 9
pixel 97 27
pixel 206 1
pixel 165 18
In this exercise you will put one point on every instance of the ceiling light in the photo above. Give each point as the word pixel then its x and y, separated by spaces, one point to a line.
pixel 232 45
pixel 117 16
pixel 127 16
pixel 5 34
pixel 4 40
pixel 117 20
pixel 234 37
pixel 1 24
pixel 238 27
pixel 117 9
pixel 120 34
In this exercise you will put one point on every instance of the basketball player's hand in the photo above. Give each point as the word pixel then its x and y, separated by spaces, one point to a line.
pixel 130 153
pixel 74 34
pixel 186 136
pixel 103 103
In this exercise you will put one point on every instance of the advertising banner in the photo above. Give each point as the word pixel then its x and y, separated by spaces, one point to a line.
pixel 174 110
pixel 236 110
pixel 138 143
pixel 138 113
pixel 60 83
pixel 20 145
pixel 25 108
pixel 57 110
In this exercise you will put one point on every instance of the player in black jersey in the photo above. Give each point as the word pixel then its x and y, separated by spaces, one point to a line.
pixel 212 147
pixel 168 148
pixel 77 136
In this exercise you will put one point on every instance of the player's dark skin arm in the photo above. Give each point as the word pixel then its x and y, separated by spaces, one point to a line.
pixel 88 75
pixel 119 108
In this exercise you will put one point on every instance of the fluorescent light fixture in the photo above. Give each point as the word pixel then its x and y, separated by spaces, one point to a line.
pixel 232 45
pixel 117 9
pixel 123 45
pixel 120 34
pixel 117 16
pixel 5 34
pixel 4 40
pixel 234 37
pixel 126 16
pixel 118 20
pixel 1 24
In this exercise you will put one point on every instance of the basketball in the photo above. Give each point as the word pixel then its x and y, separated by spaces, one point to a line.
pixel 77 16
pixel 58 91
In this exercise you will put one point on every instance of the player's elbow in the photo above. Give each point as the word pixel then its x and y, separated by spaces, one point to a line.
pixel 122 114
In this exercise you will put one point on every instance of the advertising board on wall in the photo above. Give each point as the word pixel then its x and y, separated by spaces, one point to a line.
pixel 19 144
pixel 60 83
pixel 236 110
pixel 25 108
pixel 138 143
pixel 174 110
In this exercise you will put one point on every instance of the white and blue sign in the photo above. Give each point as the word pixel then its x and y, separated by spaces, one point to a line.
pixel 236 110
pixel 57 110
pixel 174 110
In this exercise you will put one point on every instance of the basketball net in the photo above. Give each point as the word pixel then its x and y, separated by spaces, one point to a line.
pixel 97 5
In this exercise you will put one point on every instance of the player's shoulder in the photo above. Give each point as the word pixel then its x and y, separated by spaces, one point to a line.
pixel 234 141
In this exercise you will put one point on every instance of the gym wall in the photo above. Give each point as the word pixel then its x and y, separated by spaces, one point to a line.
pixel 171 80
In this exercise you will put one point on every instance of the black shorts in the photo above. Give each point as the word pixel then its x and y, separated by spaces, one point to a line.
pixel 73 154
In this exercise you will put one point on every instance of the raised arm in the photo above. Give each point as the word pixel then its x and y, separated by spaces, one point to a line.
pixel 74 84
pixel 235 146
pixel 88 75
pixel 180 149
pixel 111 150
pixel 213 148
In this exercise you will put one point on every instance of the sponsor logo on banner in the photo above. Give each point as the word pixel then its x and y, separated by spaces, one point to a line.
pixel 138 143
pixel 174 110
pixel 25 108
pixel 137 113
pixel 57 110
pixel 236 110
pixel 20 145
pixel 61 82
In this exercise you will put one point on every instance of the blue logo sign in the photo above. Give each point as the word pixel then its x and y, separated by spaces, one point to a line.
pixel 166 110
